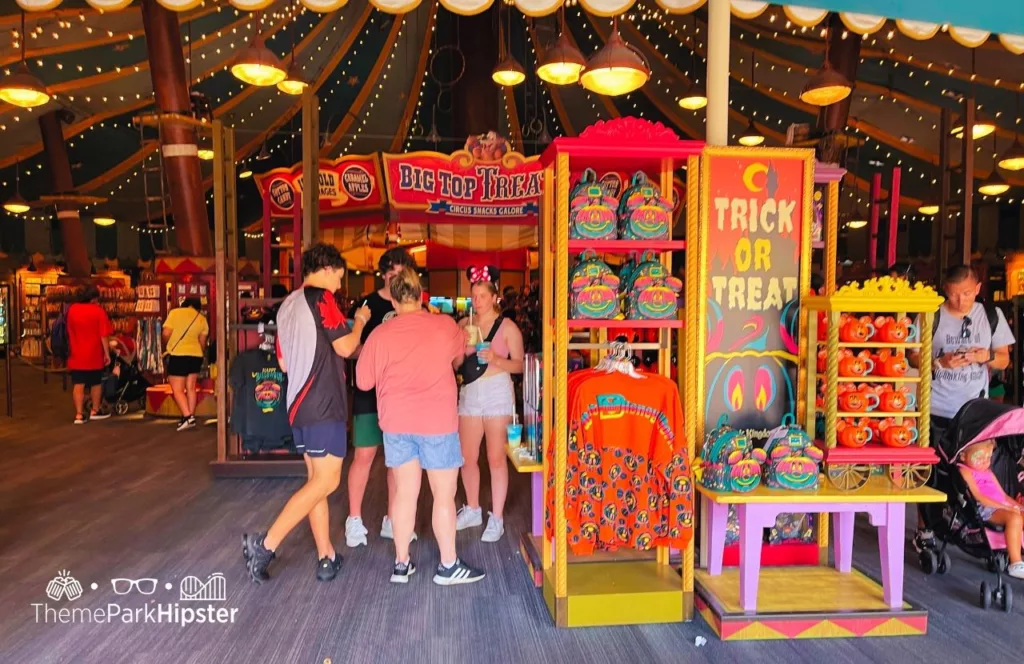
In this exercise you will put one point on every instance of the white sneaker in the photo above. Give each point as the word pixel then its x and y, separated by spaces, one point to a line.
pixel 1016 570
pixel 469 518
pixel 355 532
pixel 494 530
pixel 387 532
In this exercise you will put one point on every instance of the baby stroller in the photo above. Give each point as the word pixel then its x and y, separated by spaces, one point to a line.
pixel 124 385
pixel 959 521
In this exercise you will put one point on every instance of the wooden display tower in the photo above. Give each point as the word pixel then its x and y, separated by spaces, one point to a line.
pixel 848 469
pixel 628 587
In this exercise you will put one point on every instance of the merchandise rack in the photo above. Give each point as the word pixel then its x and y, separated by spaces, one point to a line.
pixel 848 469
pixel 628 587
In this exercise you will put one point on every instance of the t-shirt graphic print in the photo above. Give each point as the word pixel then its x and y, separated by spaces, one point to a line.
pixel 308 323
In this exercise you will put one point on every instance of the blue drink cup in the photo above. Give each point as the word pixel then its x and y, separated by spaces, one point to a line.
pixel 515 435
pixel 479 347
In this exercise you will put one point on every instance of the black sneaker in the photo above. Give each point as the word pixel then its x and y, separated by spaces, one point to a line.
pixel 924 540
pixel 257 557
pixel 457 574
pixel 402 572
pixel 327 569
pixel 186 423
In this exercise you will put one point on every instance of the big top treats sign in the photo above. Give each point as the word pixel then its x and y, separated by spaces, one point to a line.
pixel 485 182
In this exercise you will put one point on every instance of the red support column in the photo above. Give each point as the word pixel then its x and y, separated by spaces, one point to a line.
pixel 180 153
pixel 75 253
pixel 894 214
pixel 268 236
pixel 874 194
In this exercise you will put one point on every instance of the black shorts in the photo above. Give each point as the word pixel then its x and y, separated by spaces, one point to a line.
pixel 321 439
pixel 88 378
pixel 183 365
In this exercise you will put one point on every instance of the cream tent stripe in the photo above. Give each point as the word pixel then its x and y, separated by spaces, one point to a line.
pixel 467 7
pixel 968 37
pixel 681 6
pixel 806 17
pixel 537 8
pixel 748 9
pixel 862 24
pixel 919 30
pixel 606 8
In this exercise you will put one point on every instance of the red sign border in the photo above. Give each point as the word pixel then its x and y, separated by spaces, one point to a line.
pixel 295 170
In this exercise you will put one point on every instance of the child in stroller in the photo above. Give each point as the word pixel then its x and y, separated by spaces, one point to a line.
pixel 979 470
pixel 125 383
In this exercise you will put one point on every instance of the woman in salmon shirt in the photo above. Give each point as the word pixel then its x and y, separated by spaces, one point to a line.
pixel 409 359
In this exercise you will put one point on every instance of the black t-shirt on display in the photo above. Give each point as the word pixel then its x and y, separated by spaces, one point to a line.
pixel 381 310
pixel 259 396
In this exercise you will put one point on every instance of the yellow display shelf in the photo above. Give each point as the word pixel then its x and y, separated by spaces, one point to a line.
pixel 879 379
pixel 521 464
pixel 872 344
pixel 875 413
pixel 616 593
pixel 804 603
pixel 877 490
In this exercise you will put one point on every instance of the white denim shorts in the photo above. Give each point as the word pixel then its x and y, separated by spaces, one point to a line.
pixel 490 396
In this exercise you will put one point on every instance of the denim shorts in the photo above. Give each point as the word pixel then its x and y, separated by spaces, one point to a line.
pixel 433 452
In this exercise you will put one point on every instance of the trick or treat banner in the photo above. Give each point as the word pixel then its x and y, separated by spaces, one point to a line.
pixel 757 215
pixel 484 183
pixel 349 184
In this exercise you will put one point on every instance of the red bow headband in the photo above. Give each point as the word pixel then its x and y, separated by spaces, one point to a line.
pixel 478 274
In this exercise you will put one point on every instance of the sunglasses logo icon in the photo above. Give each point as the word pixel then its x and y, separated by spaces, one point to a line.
pixel 142 586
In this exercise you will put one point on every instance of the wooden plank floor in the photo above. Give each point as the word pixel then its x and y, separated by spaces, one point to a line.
pixel 131 498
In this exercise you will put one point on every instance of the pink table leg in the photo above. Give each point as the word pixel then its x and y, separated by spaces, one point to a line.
pixel 537 496
pixel 718 518
pixel 751 520
pixel 891 537
pixel 843 524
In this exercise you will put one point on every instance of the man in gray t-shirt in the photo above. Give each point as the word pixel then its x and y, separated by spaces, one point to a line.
pixel 965 349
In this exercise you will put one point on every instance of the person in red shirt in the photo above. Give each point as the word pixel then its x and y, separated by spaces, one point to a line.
pixel 89 332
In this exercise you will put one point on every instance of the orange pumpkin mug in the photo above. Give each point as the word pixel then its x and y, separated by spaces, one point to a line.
pixel 897 435
pixel 855 330
pixel 851 365
pixel 890 364
pixel 850 433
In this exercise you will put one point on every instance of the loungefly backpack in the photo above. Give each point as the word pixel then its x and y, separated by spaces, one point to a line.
pixel 594 289
pixel 591 212
pixel 650 292
pixel 728 460
pixel 793 459
pixel 643 213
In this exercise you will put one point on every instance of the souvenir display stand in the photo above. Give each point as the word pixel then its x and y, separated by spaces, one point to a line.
pixel 626 587
pixel 29 331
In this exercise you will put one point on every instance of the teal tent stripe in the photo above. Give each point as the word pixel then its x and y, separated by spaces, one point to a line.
pixel 996 16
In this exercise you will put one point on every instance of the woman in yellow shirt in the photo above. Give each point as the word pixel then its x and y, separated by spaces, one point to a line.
pixel 184 334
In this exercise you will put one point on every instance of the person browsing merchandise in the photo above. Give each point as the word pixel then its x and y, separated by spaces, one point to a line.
pixel 494 346
pixel 969 340
pixel 312 339
pixel 184 335
pixel 366 433
pixel 409 360
pixel 89 332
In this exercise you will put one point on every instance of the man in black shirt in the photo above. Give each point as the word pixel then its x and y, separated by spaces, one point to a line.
pixel 366 433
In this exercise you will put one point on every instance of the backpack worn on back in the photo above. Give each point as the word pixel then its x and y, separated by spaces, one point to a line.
pixel 991 313
pixel 60 344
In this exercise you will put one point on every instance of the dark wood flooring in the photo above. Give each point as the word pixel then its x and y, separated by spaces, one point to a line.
pixel 131 498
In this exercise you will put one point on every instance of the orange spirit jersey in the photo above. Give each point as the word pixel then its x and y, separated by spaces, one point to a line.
pixel 627 476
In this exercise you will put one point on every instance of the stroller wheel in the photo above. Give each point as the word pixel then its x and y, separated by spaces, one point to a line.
pixel 1007 600
pixel 929 561
pixel 121 408
pixel 986 596
pixel 945 564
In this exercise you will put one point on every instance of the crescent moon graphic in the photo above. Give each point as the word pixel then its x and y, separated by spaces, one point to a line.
pixel 748 176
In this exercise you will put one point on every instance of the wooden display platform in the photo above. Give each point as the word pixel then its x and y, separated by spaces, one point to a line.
pixel 616 593
pixel 804 603
pixel 160 402
pixel 530 551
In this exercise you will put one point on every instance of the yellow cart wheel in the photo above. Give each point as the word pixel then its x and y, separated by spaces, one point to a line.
pixel 908 475
pixel 848 476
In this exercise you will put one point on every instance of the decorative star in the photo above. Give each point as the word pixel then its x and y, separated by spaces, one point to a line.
pixel 353 80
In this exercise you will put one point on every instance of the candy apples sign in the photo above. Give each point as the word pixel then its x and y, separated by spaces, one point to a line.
pixel 349 184
pixel 486 182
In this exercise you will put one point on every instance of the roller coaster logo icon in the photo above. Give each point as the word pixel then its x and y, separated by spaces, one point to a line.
pixel 194 590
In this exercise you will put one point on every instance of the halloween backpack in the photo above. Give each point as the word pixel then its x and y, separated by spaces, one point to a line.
pixel 594 289
pixel 728 460
pixel 643 213
pixel 650 292
pixel 793 460
pixel 591 211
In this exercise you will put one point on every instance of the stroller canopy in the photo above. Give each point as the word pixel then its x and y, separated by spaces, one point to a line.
pixel 981 419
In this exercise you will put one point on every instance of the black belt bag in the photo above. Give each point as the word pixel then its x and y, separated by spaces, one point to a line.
pixel 471 369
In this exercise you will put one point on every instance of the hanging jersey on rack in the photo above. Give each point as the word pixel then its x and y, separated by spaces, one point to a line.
pixel 258 411
pixel 628 481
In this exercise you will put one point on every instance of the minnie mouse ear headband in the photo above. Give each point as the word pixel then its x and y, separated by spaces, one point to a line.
pixel 485 273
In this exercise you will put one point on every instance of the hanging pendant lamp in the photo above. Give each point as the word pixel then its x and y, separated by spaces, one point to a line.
pixel 982 127
pixel 104 221
pixel 857 219
pixel 994 185
pixel 294 83
pixel 751 137
pixel 21 88
pixel 827 86
pixel 508 71
pixel 1013 159
pixel 928 209
pixel 563 63
pixel 616 68
pixel 17 204
pixel 694 99
pixel 257 65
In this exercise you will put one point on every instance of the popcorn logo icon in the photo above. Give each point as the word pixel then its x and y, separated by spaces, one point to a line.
pixel 64 586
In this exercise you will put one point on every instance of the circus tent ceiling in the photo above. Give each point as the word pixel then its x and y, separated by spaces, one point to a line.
pixel 384 81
